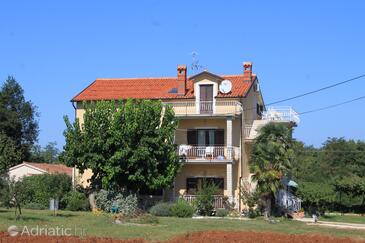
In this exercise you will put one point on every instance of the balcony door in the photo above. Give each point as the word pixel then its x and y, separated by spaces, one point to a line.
pixel 204 138
pixel 206 98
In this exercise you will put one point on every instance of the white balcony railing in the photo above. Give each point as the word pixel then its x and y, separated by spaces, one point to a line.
pixel 185 108
pixel 285 114
pixel 275 114
pixel 218 200
pixel 190 152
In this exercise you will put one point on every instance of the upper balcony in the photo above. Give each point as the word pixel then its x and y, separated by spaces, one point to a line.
pixel 206 108
pixel 272 114
pixel 281 114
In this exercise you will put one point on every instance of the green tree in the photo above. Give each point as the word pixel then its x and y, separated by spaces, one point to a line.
pixel 205 198
pixel 18 117
pixel 271 160
pixel 9 155
pixel 13 196
pixel 127 144
pixel 49 154
pixel 317 197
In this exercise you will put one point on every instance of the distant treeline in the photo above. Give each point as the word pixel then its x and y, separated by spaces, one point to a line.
pixel 331 178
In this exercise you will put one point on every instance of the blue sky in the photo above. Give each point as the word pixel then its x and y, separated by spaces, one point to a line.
pixel 56 49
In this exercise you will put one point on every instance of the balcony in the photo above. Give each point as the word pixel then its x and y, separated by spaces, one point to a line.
pixel 272 114
pixel 205 108
pixel 219 200
pixel 281 114
pixel 206 154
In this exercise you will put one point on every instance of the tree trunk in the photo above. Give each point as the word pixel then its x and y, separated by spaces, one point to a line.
pixel 92 200
pixel 267 204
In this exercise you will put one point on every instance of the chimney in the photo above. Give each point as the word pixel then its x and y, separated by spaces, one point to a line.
pixel 247 71
pixel 181 79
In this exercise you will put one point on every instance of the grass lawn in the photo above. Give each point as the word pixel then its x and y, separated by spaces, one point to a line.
pixel 357 219
pixel 168 227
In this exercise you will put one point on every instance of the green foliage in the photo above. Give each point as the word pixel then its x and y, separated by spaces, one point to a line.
pixel 221 212
pixel 182 209
pixel 271 160
pixel 104 200
pixel 39 189
pixel 162 209
pixel 126 144
pixel 76 201
pixel 249 197
pixel 48 154
pixel 17 118
pixel 13 195
pixel 204 202
pixel 316 196
pixel 126 205
pixel 339 164
pixel 9 154
pixel 33 205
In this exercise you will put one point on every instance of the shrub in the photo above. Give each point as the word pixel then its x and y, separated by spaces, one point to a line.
pixel 76 201
pixel 182 209
pixel 126 205
pixel 205 199
pixel 161 209
pixel 33 205
pixel 103 200
pixel 39 189
pixel 221 212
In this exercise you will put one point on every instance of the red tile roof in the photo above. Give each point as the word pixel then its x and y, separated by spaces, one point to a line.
pixel 152 88
pixel 52 168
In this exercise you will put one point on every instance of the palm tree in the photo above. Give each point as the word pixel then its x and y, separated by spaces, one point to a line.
pixel 271 160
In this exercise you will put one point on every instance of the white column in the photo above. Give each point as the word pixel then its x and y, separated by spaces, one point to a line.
pixel 229 165
pixel 229 182
pixel 229 138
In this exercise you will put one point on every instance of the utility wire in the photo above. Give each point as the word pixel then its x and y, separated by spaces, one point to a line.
pixel 317 90
pixel 311 92
pixel 332 106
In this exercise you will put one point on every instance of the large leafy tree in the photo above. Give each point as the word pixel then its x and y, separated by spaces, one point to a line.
pixel 271 160
pixel 48 154
pixel 127 144
pixel 9 155
pixel 337 166
pixel 18 117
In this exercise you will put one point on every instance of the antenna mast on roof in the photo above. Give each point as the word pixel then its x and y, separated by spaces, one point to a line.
pixel 195 66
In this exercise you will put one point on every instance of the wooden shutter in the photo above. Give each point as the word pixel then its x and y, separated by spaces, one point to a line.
pixel 192 137
pixel 219 137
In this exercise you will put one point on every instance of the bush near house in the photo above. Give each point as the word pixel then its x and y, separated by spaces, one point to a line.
pixel 205 200
pixel 38 189
pixel 221 212
pixel 162 209
pixel 76 201
pixel 124 204
pixel 182 209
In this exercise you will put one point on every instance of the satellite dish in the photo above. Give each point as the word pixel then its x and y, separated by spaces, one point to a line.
pixel 225 87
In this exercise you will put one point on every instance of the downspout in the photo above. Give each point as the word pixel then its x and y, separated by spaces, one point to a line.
pixel 74 168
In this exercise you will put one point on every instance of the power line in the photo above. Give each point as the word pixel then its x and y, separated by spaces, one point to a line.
pixel 332 106
pixel 310 92
pixel 317 90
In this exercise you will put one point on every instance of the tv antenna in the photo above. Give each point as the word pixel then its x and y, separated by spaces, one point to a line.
pixel 195 65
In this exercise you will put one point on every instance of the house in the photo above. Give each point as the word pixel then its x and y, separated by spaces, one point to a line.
pixel 30 168
pixel 219 118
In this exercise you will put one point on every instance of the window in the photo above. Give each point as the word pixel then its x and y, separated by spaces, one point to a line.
pixel 206 137
pixel 259 109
